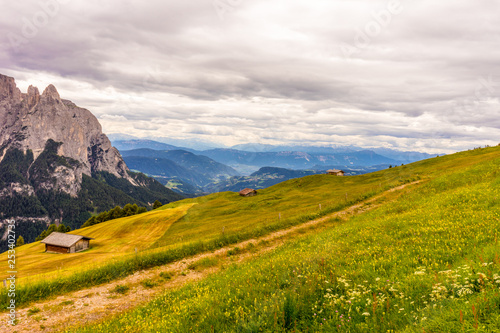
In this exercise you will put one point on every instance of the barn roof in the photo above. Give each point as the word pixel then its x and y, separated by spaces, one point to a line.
pixel 63 240
pixel 247 191
pixel 335 170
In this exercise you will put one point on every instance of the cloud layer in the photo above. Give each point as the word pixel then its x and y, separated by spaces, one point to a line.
pixel 415 75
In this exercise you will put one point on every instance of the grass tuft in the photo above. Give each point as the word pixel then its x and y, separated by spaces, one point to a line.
pixel 119 289
pixel 33 311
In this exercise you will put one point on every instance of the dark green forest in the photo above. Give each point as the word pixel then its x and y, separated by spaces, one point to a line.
pixel 99 193
pixel 116 213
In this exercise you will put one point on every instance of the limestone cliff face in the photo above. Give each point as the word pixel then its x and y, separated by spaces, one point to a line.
pixel 29 120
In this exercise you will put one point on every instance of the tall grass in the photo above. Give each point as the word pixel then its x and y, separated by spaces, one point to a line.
pixel 120 268
pixel 430 262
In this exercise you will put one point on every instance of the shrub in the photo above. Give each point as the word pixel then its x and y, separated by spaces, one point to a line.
pixel 34 310
pixel 149 283
pixel 203 263
pixel 119 289
pixel 166 275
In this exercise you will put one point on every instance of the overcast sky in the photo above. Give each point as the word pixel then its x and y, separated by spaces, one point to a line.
pixel 411 74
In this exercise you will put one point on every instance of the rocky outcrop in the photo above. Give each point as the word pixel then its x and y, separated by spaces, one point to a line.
pixel 8 89
pixel 33 97
pixel 28 121
pixel 17 188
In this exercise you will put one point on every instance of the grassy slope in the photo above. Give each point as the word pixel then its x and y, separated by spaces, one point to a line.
pixel 113 239
pixel 428 262
pixel 240 218
pixel 293 198
pixel 302 196
pixel 203 219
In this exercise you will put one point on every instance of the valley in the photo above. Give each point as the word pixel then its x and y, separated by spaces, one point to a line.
pixel 193 173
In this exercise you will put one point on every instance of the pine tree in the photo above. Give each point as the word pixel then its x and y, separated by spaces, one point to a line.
pixel 157 204
pixel 89 222
pixel 20 241
pixel 42 236
pixel 51 229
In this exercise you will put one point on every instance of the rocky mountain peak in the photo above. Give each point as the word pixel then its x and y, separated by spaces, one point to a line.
pixel 28 121
pixel 51 93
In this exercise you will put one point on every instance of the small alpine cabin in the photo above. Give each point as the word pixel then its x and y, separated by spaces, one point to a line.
pixel 58 242
pixel 335 172
pixel 248 192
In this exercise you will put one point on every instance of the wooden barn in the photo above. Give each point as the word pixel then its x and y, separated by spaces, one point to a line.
pixel 58 242
pixel 248 192
pixel 335 172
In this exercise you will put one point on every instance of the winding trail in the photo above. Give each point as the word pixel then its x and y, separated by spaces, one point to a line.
pixel 99 302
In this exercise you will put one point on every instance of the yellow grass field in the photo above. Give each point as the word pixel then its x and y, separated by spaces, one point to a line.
pixel 113 239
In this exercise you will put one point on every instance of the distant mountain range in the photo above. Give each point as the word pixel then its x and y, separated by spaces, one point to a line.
pixel 191 169
pixel 296 159
pixel 195 172
pixel 268 176
pixel 244 152
pixel 127 142
pixel 186 144
pixel 252 147
pixel 123 145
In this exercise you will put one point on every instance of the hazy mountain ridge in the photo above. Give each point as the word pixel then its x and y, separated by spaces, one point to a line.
pixel 165 168
pixel 294 157
pixel 185 144
pixel 195 163
pixel 124 145
pixel 171 167
pixel 128 142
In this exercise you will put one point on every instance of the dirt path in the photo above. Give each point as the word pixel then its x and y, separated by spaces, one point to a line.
pixel 96 303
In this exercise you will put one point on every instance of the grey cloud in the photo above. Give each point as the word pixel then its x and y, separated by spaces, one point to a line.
pixel 264 68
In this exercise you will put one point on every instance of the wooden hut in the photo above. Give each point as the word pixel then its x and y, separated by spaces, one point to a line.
pixel 248 192
pixel 58 242
pixel 335 172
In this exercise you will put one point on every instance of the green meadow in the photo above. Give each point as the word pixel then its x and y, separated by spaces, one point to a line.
pixel 424 259
pixel 184 228
pixel 427 262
